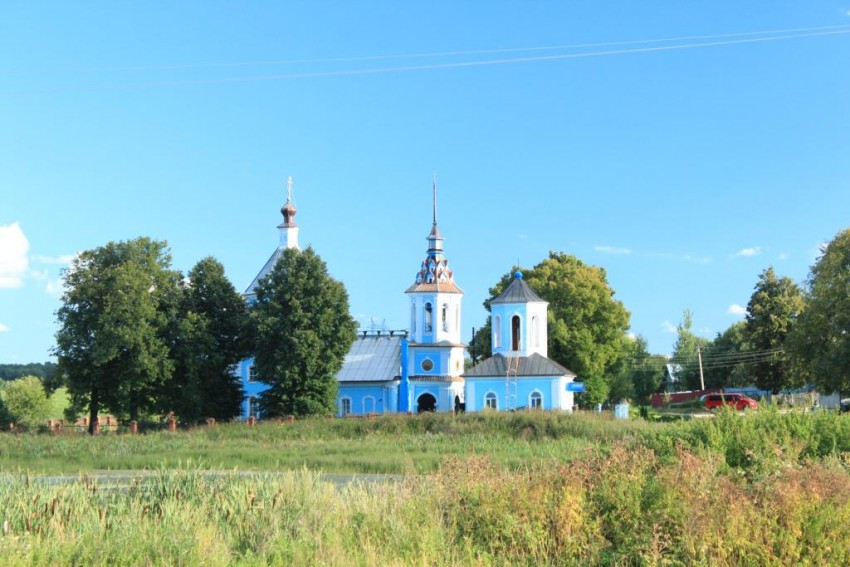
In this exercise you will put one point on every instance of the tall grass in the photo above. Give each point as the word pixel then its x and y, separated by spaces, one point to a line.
pixel 623 506
pixel 756 444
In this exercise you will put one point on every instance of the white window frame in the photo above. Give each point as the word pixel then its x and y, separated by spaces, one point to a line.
pixel 252 373
pixel 251 409
pixel 344 406
pixel 536 394
pixel 497 332
pixel 491 397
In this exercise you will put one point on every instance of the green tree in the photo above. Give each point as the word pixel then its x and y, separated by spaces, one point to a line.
pixel 303 332
pixel 209 340
pixel 640 374
pixel 116 314
pixel 685 353
pixel 480 348
pixel 820 340
pixel 587 326
pixel 725 359
pixel 772 312
pixel 26 401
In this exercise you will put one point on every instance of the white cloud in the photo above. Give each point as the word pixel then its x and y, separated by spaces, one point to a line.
pixel 14 262
pixel 784 256
pixel 62 260
pixel 523 237
pixel 669 327
pixel 748 252
pixel 612 250
pixel 681 257
pixel 54 287
pixel 736 309
pixel 696 259
pixel 3 328
pixel 705 331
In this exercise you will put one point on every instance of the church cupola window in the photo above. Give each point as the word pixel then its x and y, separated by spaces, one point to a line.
pixel 428 318
pixel 535 332
pixel 412 318
pixel 515 338
pixel 497 332
pixel 445 316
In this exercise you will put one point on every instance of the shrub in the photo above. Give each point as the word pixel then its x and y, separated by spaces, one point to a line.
pixel 26 401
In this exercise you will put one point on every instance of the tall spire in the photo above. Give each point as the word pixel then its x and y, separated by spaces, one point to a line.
pixel 435 198
pixel 435 239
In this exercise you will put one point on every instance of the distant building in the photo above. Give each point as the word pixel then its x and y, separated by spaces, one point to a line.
pixel 519 375
pixel 251 383
pixel 371 374
pixel 422 369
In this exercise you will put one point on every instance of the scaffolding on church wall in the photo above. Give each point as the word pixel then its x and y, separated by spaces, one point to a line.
pixel 511 385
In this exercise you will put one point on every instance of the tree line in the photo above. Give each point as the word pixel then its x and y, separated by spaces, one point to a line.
pixel 137 338
pixel 792 335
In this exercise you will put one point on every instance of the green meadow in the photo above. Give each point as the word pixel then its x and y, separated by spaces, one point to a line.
pixel 479 489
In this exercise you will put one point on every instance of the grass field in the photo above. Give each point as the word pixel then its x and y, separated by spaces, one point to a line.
pixel 523 488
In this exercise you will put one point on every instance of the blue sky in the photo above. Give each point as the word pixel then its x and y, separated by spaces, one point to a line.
pixel 671 143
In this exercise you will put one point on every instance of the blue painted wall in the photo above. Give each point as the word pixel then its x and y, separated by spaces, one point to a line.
pixel 477 389
pixel 368 397
pixel 252 389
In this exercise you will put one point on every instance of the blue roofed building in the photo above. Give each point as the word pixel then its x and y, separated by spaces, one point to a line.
pixel 371 374
pixel 519 375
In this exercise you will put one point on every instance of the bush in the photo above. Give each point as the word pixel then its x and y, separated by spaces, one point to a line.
pixel 26 401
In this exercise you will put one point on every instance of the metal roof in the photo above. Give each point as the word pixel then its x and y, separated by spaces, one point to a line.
pixel 518 292
pixel 252 289
pixel 527 366
pixel 372 358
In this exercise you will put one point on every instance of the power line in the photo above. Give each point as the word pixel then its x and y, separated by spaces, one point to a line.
pixel 427 67
pixel 426 55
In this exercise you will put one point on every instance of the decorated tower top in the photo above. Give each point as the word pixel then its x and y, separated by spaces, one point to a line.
pixel 434 274
pixel 288 228
pixel 288 210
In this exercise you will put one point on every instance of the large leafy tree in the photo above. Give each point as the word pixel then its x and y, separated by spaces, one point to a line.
pixel 587 326
pixel 303 331
pixel 210 338
pixel 640 374
pixel 820 341
pixel 687 352
pixel 726 358
pixel 113 343
pixel 773 309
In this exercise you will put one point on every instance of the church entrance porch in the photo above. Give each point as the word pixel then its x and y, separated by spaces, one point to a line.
pixel 426 402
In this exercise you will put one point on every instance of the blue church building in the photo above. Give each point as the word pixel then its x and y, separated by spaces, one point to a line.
pixel 519 375
pixel 422 369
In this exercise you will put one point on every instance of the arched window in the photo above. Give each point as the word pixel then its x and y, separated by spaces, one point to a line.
pixel 428 317
pixel 497 332
pixel 515 332
pixel 413 318
pixel 344 407
pixel 535 331
pixel 445 316
pixel 490 401
pixel 368 405
pixel 535 400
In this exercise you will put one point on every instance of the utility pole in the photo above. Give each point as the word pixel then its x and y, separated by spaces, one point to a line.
pixel 701 379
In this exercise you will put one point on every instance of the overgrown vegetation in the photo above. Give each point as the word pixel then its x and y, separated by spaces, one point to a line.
pixel 768 488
